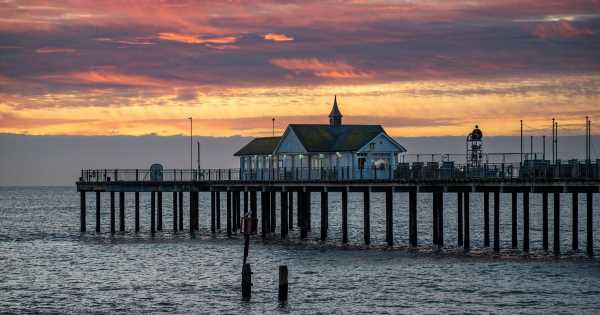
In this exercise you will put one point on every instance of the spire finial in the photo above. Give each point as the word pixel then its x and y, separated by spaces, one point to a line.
pixel 335 117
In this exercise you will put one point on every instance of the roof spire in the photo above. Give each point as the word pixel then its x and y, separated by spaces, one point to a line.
pixel 335 117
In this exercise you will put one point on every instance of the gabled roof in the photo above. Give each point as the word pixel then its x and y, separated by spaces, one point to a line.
pixel 259 146
pixel 335 111
pixel 326 138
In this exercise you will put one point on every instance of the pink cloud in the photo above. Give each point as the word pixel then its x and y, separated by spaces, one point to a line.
pixel 320 68
pixel 51 50
pixel 193 39
pixel 107 77
pixel 278 37
pixel 562 29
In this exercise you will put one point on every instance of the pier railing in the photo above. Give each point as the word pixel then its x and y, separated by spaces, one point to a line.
pixel 402 171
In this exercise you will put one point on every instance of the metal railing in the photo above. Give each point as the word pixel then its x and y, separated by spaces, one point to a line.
pixel 403 171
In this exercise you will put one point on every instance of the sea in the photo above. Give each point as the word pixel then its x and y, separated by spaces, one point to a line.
pixel 48 266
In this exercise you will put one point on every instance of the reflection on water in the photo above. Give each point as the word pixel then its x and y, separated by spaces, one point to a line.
pixel 46 265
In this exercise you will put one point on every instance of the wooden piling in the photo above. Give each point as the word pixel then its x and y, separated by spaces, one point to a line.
pixel 302 212
pixel 212 212
pixel 97 212
pixel 112 212
pixel 434 217
pixel 236 210
pixel 497 221
pixel 575 224
pixel 412 217
pixel 254 209
pixel 152 212
pixel 308 209
pixel 284 214
pixel 367 216
pixel 283 284
pixel 513 217
pixel 590 224
pixel 345 215
pixel 467 240
pixel 526 221
pixel 440 219
pixel 191 223
pixel 264 205
pixel 180 216
pixel 545 220
pixel 218 199
pixel 291 210
pixel 245 205
pixel 556 241
pixel 389 217
pixel 137 211
pixel 486 219
pixel 459 220
pixel 324 215
pixel 228 213
pixel 122 211
pixel 175 211
pixel 159 219
pixel 273 204
pixel 82 210
pixel 299 217
pixel 246 282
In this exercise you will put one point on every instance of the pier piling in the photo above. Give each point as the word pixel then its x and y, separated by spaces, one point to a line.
pixel 122 211
pixel 273 211
pixel 526 221
pixel 254 209
pixel 367 216
pixel 97 212
pixel 486 219
pixel 229 213
pixel 434 217
pixel 589 224
pixel 137 211
pixel 440 219
pixel 459 220
pixel 324 215
pixel 556 223
pixel 308 209
pixel 191 206
pixel 467 240
pixel 513 219
pixel 290 205
pixel 175 211
pixel 497 221
pixel 283 284
pixel 82 224
pixel 302 212
pixel 412 217
pixel 218 208
pixel 284 214
pixel 264 205
pixel 575 225
pixel 389 217
pixel 112 212
pixel 246 282
pixel 180 216
pixel 545 220
pixel 152 212
pixel 345 215
pixel 212 212
pixel 159 212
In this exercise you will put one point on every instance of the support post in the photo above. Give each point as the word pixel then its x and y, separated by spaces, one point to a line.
pixel 235 210
pixel 545 220
pixel 246 282
pixel 514 220
pixel 526 221
pixel 556 223
pixel 575 225
pixel 459 221
pixel 245 205
pixel 345 215
pixel 273 204
pixel 191 212
pixel 283 284
pixel 367 216
pixel 152 212
pixel 299 217
pixel 389 217
pixel 175 211
pixel 97 212
pixel 218 198
pixel 137 211
pixel 486 219
pixel 497 221
pixel 264 204
pixel 412 217
pixel 291 210
pixel 467 239
pixel 212 212
pixel 82 211
pixel 180 216
pixel 228 213
pixel 440 219
pixel 284 214
pixel 434 217
pixel 122 211
pixel 159 219
pixel 302 212
pixel 590 224
pixel 254 209
pixel 308 209
pixel 324 215
pixel 112 212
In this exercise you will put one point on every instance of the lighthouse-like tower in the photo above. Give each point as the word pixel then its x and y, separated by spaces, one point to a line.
pixel 335 117
pixel 474 148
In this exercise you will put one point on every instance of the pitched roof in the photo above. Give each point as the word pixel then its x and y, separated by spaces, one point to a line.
pixel 326 138
pixel 264 145
pixel 335 111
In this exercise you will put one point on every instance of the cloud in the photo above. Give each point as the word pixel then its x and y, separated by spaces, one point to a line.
pixel 193 39
pixel 51 50
pixel 562 29
pixel 132 41
pixel 278 37
pixel 107 77
pixel 320 68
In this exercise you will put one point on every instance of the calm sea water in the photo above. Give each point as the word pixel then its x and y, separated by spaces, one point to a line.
pixel 46 265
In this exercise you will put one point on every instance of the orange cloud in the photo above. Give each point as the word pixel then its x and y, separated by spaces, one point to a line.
pixel 278 37
pixel 50 50
pixel 107 77
pixel 324 69
pixel 563 29
pixel 192 39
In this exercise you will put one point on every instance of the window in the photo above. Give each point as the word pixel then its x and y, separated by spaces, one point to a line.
pixel 372 146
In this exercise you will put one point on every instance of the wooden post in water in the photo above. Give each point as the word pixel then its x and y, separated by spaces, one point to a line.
pixel 152 212
pixel 590 224
pixel 236 211
pixel 137 211
pixel 212 212
pixel 302 212
pixel 122 211
pixel 283 284
pixel 82 211
pixel 514 220
pixel 389 217
pixel 467 240
pixel 367 216
pixel 264 205
pixel 526 221
pixel 575 228
pixel 308 209
pixel 97 212
pixel 246 282
pixel 545 220
pixel 159 219
pixel 440 219
pixel 175 211
pixel 556 223
pixel 291 210
pixel 486 219
pixel 497 221
pixel 192 227
pixel 112 212
pixel 245 206
pixel 459 220
pixel 324 214
pixel 412 217
pixel 300 206
pixel 254 209
pixel 345 215
pixel 228 213
pixel 218 199
pixel 284 214
pixel 180 216
pixel 434 217
pixel 273 204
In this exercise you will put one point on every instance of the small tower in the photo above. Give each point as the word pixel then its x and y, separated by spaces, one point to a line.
pixel 475 148
pixel 335 117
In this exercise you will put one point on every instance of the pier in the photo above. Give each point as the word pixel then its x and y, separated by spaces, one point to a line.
pixel 294 192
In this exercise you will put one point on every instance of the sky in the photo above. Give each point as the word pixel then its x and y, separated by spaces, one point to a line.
pixel 419 67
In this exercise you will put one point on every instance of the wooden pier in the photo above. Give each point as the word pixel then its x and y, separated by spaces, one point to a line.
pixel 295 195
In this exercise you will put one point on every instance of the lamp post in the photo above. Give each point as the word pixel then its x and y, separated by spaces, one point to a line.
pixel 191 148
